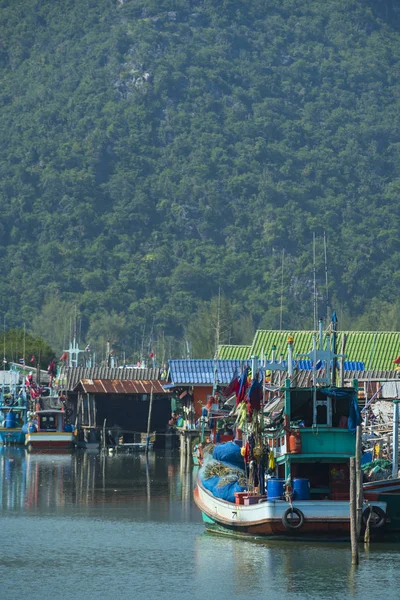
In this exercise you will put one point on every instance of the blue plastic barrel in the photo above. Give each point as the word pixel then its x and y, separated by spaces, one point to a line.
pixel 301 489
pixel 10 420
pixel 275 488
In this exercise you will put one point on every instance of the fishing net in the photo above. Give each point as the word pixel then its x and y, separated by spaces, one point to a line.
pixel 222 479
pixel 377 470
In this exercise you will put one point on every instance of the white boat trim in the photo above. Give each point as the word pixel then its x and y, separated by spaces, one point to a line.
pixel 271 510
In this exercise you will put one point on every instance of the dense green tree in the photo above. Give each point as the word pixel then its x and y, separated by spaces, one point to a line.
pixel 18 346
pixel 156 151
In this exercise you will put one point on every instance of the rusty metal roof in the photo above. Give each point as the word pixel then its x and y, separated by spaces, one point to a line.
pixel 70 376
pixel 120 386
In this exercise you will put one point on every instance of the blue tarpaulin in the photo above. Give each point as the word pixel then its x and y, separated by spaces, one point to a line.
pixel 354 410
pixel 230 453
pixel 225 492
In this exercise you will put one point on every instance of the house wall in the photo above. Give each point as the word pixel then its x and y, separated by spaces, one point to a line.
pixel 200 394
pixel 130 413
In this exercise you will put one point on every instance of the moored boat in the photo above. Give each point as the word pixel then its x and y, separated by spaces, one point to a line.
pixel 303 519
pixel 13 410
pixel 47 429
pixel 305 454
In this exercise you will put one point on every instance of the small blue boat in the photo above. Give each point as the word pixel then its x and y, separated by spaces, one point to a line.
pixel 13 410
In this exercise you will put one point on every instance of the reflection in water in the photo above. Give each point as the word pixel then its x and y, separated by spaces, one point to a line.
pixel 255 569
pixel 84 481
pixel 130 526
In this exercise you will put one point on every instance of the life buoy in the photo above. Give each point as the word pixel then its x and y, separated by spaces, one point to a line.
pixel 378 517
pixel 288 522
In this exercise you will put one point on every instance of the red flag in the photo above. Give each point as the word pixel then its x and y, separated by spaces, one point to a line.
pixel 232 387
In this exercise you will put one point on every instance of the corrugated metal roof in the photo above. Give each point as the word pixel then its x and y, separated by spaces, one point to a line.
pixel 193 371
pixel 70 376
pixel 226 352
pixel 391 389
pixel 376 349
pixel 120 386
pixel 305 378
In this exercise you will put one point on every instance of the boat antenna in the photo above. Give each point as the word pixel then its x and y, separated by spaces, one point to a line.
pixel 217 338
pixel 315 285
pixel 23 358
pixel 280 320
pixel 326 280
pixel 142 344
pixel 4 354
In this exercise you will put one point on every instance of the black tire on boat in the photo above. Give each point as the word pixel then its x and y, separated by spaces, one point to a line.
pixel 378 517
pixel 287 520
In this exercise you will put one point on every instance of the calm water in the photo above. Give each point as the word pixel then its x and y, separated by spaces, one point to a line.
pixel 83 526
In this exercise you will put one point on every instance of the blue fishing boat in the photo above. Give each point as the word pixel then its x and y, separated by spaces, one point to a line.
pixel 13 409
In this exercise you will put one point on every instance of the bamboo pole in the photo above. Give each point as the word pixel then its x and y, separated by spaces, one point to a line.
pixel 353 513
pixel 359 481
pixel 104 434
pixel 149 420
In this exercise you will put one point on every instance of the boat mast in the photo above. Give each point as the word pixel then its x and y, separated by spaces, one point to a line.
pixel 281 315
pixel 326 280
pixel 315 286
pixel 4 357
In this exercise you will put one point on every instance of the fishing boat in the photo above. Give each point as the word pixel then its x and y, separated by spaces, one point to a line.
pixel 305 454
pixel 13 409
pixel 47 429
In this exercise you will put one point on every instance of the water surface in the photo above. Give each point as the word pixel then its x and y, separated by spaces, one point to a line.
pixel 87 526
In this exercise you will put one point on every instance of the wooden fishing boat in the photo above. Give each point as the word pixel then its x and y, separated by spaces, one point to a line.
pixel 307 496
pixel 47 430
pixel 303 519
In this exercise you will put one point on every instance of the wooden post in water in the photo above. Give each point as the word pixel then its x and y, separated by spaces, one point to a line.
pixel 149 420
pixel 104 434
pixel 353 513
pixel 359 480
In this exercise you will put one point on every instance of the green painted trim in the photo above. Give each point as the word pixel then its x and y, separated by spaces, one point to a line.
pixel 287 397
pixel 294 458
pixel 206 518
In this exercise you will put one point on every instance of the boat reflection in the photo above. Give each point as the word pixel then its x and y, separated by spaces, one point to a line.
pixel 144 488
pixel 255 566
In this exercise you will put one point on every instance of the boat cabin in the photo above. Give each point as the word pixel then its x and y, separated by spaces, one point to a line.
pixel 50 420
pixel 314 441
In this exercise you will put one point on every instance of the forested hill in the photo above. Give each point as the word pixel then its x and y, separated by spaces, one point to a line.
pixel 154 152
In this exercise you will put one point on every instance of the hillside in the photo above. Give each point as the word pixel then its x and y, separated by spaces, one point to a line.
pixel 156 151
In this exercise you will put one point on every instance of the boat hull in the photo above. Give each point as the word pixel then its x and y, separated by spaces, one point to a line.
pixel 12 436
pixel 323 520
pixel 61 440
pixel 372 489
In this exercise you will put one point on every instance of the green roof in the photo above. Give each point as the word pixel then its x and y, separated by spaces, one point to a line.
pixel 234 352
pixel 376 349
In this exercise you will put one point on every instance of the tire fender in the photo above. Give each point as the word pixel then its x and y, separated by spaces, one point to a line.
pixel 287 522
pixel 378 517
